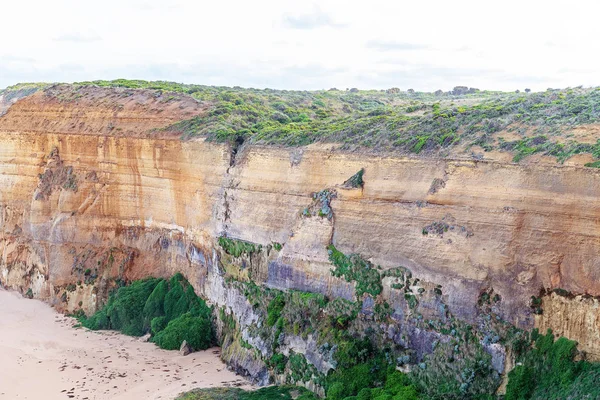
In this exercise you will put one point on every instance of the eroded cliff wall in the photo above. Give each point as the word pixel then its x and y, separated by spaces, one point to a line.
pixel 95 190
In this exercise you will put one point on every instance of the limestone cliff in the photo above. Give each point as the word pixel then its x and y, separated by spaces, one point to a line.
pixel 95 189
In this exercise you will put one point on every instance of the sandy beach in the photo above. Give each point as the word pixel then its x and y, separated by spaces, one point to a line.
pixel 43 357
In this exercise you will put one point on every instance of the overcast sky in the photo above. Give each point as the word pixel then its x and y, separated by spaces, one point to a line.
pixel 424 45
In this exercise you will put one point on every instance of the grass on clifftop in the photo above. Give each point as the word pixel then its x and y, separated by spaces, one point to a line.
pixel 471 122
pixel 391 120
pixel 169 309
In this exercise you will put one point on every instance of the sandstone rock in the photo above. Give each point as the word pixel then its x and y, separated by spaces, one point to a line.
pixel 532 226
pixel 145 338
pixel 185 349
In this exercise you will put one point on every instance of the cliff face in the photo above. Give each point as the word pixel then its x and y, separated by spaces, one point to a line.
pixel 89 196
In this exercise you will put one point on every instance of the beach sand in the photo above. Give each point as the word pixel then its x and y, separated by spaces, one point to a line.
pixel 43 357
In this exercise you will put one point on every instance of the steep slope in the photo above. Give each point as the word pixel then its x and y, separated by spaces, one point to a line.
pixel 98 188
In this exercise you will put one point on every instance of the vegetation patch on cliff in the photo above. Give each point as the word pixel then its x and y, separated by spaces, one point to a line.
pixel 321 204
pixel 356 180
pixel 354 268
pixel 168 309
pixel 268 393
pixel 548 371
pixel 236 248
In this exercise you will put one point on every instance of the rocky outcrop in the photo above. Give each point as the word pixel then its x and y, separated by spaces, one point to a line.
pixel 95 190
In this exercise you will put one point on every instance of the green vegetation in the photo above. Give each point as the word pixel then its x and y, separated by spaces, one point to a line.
pixel 391 120
pixel 236 248
pixel 548 371
pixel 274 309
pixel 20 90
pixel 321 204
pixel 595 164
pixel 355 269
pixel 267 393
pixel 355 384
pixel 338 330
pixel 365 360
pixel 169 309
pixel 371 381
pixel 356 180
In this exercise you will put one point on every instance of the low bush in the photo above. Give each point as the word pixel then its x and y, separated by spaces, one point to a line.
pixel 196 331
pixel 548 371
pixel 267 393
pixel 169 309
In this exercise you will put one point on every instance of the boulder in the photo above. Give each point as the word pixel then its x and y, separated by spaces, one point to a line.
pixel 185 349
pixel 145 338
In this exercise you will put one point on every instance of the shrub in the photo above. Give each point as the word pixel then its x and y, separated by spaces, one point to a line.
pixel 548 371
pixel 169 310
pixel 336 391
pixel 236 247
pixel 158 324
pixel 196 331
pixel 274 309
pixel 353 268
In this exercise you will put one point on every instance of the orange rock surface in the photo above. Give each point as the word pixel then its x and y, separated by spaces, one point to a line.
pixel 93 187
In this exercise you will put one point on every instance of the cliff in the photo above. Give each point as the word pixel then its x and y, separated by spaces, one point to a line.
pixel 98 187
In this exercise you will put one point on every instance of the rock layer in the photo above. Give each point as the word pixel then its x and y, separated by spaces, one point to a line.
pixel 89 196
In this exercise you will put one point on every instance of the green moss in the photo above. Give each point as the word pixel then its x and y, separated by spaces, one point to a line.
pixel 237 247
pixel 274 309
pixel 536 305
pixel 195 330
pixel 411 300
pixel 355 269
pixel 277 362
pixel 170 310
pixel 371 381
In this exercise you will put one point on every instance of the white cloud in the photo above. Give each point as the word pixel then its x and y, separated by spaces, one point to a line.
pixel 295 45
pixel 312 20
pixel 78 37
pixel 386 45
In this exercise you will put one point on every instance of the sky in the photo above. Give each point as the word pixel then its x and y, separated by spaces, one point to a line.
pixel 283 44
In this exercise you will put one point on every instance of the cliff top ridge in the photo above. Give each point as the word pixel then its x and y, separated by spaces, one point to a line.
pixel 555 124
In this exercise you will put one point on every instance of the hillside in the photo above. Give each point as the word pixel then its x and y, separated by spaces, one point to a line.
pixel 459 123
pixel 332 231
